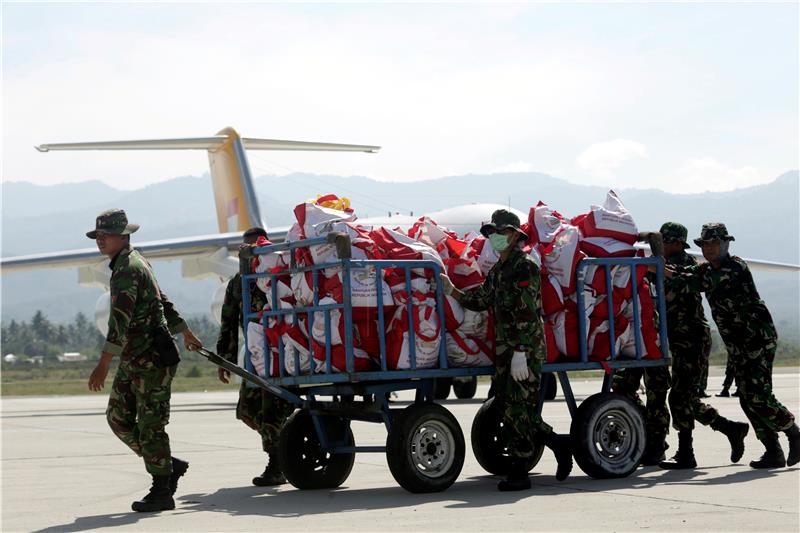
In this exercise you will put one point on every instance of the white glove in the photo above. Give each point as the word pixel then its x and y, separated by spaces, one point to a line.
pixel 447 285
pixel 519 367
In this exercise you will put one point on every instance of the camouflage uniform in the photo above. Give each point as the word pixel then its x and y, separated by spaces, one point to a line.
pixel 689 342
pixel 257 408
pixel 656 382
pixel 138 407
pixel 747 329
pixel 511 291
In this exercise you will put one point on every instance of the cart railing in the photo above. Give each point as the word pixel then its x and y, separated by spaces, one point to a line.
pixel 346 265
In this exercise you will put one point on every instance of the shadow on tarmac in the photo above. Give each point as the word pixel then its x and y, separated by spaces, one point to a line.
pixel 473 492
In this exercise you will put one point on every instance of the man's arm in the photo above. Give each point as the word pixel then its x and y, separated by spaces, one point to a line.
pixel 230 321
pixel 477 299
pixel 175 322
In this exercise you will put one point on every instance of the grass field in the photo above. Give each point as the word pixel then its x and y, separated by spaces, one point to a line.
pixel 193 376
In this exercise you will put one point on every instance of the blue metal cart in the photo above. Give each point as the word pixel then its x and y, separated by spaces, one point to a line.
pixel 425 445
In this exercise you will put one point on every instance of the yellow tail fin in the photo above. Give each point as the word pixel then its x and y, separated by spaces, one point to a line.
pixel 234 194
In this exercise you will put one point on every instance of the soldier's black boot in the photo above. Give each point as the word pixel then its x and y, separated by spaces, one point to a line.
pixel 684 457
pixel 272 474
pixel 736 432
pixel 158 499
pixel 179 468
pixel 517 478
pixel 654 452
pixel 794 445
pixel 773 457
pixel 562 449
pixel 724 393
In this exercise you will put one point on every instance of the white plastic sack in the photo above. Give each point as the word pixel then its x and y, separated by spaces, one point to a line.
pixel 463 351
pixel 611 219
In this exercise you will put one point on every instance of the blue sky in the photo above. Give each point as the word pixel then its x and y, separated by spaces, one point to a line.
pixel 682 97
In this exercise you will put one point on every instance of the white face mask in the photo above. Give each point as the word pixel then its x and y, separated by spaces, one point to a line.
pixel 498 241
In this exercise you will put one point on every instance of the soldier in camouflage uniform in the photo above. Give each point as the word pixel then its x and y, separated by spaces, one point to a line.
pixel 511 291
pixel 749 334
pixel 689 343
pixel 257 408
pixel 656 382
pixel 730 378
pixel 138 406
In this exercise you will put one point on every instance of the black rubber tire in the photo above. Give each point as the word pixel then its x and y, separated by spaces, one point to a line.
pixel 304 464
pixel 465 388
pixel 441 388
pixel 550 386
pixel 425 448
pixel 488 445
pixel 608 436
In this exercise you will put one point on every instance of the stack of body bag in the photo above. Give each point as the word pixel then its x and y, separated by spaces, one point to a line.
pixel 555 243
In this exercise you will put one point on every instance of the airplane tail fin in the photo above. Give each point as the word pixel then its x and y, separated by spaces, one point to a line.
pixel 234 193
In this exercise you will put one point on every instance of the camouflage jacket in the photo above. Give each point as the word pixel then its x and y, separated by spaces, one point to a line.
pixel 512 291
pixel 138 306
pixel 687 326
pixel 743 320
pixel 231 317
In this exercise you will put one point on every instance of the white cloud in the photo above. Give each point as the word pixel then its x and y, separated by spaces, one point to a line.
pixel 703 174
pixel 601 159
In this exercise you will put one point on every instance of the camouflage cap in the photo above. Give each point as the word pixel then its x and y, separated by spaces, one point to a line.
pixel 113 221
pixel 713 231
pixel 503 219
pixel 674 232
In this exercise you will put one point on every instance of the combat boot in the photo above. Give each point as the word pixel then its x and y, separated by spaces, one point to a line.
pixel 179 468
pixel 654 452
pixel 724 393
pixel 158 499
pixel 773 457
pixel 272 474
pixel 517 478
pixel 794 445
pixel 561 445
pixel 684 457
pixel 736 432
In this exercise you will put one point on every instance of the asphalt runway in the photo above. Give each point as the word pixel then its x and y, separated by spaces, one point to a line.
pixel 63 470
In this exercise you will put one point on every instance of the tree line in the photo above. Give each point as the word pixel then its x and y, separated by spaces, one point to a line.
pixel 41 337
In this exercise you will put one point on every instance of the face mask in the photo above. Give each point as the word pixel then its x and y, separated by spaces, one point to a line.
pixel 499 242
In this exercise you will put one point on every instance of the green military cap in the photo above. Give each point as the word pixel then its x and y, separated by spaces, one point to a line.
pixel 503 219
pixel 113 221
pixel 674 232
pixel 713 231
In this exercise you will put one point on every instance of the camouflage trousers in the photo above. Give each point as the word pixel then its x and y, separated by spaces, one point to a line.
pixel 138 411
pixel 730 374
pixel 753 372
pixel 689 365
pixel 517 401
pixel 264 412
pixel 705 354
pixel 656 383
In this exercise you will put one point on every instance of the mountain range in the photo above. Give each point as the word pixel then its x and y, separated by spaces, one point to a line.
pixel 764 219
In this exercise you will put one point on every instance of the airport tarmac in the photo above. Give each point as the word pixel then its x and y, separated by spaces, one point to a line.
pixel 63 470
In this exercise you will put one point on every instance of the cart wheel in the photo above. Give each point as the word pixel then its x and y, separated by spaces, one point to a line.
pixel 488 442
pixel 304 464
pixel 550 386
pixel 608 435
pixel 425 448
pixel 464 388
pixel 441 388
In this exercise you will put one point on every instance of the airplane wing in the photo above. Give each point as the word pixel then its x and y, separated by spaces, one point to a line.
pixel 181 248
pixel 209 143
pixel 759 265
